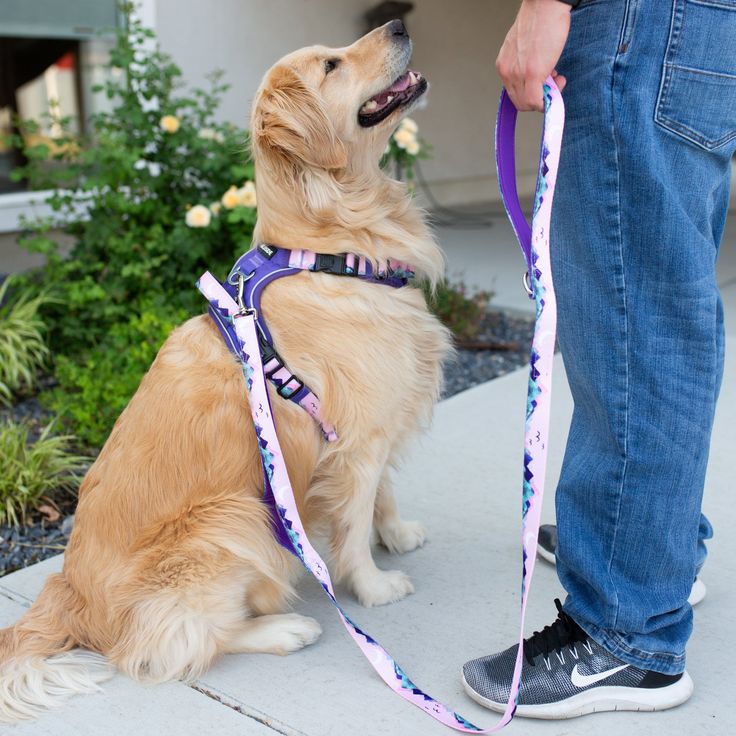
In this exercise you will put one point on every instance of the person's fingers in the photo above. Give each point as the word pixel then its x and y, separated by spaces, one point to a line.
pixel 560 81
pixel 532 95
pixel 524 86
pixel 525 97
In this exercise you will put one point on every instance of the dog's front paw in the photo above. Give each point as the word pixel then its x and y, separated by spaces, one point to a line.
pixel 403 537
pixel 382 587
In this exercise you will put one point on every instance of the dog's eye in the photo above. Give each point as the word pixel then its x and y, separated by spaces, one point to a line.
pixel 331 65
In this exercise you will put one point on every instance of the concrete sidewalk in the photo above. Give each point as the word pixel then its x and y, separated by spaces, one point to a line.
pixel 463 482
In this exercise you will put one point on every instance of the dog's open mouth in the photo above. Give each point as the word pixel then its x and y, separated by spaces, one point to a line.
pixel 401 93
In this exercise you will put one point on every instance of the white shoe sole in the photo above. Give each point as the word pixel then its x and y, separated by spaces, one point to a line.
pixel 598 700
pixel 546 555
pixel 697 593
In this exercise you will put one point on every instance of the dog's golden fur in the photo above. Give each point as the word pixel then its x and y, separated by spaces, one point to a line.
pixel 172 560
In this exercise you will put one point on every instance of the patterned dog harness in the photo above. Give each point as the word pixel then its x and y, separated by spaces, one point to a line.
pixel 237 317
pixel 261 266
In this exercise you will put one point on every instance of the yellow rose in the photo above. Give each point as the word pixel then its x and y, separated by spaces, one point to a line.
pixel 247 194
pixel 215 208
pixel 410 125
pixel 404 137
pixel 198 216
pixel 169 123
pixel 231 198
pixel 412 147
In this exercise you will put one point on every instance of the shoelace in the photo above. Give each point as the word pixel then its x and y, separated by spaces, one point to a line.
pixel 564 632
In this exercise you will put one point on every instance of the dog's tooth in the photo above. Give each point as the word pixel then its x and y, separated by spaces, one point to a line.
pixel 412 78
pixel 389 98
pixel 370 106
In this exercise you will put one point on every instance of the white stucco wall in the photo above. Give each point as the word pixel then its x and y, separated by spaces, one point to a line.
pixel 455 47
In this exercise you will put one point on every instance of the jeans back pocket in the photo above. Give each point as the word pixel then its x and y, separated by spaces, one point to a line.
pixel 697 93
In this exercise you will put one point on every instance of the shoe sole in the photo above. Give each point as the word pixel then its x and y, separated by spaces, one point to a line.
pixel 697 594
pixel 546 555
pixel 599 700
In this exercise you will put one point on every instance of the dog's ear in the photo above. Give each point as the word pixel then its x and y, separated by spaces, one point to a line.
pixel 289 121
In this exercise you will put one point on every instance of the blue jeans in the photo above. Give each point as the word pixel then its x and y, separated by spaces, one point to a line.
pixel 639 212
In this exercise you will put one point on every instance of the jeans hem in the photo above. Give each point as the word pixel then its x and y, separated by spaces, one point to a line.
pixel 664 662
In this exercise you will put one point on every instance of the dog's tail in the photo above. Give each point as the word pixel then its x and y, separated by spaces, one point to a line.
pixel 39 666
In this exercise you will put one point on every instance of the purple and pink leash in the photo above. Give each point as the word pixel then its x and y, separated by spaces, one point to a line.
pixel 534 242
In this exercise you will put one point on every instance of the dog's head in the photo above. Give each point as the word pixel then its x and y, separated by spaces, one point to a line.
pixel 322 108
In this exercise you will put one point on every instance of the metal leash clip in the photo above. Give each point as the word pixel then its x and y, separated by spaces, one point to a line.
pixel 527 285
pixel 243 311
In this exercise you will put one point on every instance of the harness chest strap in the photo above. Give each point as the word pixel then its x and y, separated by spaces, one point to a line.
pixel 278 493
pixel 263 265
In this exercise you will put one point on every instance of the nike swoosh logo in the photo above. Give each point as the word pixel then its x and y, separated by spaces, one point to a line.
pixel 586 680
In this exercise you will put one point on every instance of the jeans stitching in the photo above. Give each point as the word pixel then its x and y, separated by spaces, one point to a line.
pixel 692 135
pixel 622 290
pixel 668 69
pixel 672 39
pixel 715 4
pixel 704 72
pixel 627 29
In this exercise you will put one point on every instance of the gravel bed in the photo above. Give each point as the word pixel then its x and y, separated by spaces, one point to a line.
pixel 471 367
pixel 42 538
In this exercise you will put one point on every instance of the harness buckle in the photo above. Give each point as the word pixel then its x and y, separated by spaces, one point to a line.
pixel 330 263
pixel 268 353
pixel 285 392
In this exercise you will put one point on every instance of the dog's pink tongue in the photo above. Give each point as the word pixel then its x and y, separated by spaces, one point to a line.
pixel 400 84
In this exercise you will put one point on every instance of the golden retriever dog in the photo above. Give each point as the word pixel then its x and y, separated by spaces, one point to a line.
pixel 172 560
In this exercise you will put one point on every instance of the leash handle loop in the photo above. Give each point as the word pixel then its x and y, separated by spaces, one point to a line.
pixel 506 169
pixel 506 174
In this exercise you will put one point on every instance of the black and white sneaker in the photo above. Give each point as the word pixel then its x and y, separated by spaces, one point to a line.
pixel 547 547
pixel 566 674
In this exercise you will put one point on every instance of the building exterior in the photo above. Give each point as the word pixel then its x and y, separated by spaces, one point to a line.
pixel 455 47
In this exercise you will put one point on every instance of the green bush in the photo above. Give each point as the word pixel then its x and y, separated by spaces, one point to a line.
pixel 93 394
pixel 22 347
pixel 458 310
pixel 167 193
pixel 28 471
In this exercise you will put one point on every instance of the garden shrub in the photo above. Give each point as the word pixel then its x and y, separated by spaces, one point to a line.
pixel 22 347
pixel 29 471
pixel 167 193
pixel 91 395
pixel 458 309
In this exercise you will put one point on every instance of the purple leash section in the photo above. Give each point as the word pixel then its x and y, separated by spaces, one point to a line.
pixel 278 494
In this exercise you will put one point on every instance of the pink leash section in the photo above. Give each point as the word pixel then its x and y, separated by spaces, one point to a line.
pixel 534 242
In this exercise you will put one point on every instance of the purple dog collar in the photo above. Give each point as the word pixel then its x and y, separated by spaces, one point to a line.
pixel 277 487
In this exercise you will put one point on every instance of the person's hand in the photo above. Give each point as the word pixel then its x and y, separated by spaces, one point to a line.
pixel 532 49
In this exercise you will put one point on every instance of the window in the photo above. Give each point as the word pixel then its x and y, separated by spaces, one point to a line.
pixel 51 55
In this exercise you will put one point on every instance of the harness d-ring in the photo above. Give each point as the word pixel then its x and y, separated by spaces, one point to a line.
pixel 527 285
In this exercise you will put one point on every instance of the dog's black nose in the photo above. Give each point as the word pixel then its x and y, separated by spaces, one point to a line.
pixel 397 28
